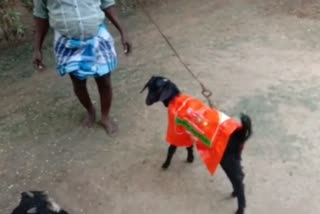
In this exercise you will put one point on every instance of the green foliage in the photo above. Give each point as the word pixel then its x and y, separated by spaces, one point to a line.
pixel 10 21
pixel 28 4
pixel 11 27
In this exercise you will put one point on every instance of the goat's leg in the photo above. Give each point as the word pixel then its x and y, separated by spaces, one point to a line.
pixel 226 166
pixel 190 157
pixel 171 150
pixel 239 188
pixel 233 169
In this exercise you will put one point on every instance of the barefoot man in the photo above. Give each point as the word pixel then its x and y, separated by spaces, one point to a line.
pixel 83 48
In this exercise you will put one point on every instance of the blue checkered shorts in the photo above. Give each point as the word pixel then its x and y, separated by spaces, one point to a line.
pixel 94 57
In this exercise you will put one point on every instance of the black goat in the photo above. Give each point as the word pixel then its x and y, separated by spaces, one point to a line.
pixel 37 202
pixel 164 90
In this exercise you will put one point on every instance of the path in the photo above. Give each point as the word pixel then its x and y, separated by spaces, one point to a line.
pixel 253 57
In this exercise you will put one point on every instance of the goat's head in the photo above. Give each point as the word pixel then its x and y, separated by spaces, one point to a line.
pixel 160 89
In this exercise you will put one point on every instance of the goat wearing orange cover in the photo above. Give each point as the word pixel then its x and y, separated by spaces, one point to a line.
pixel 191 122
pixel 218 138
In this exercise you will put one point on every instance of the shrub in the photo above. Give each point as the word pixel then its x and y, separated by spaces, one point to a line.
pixel 28 4
pixel 10 20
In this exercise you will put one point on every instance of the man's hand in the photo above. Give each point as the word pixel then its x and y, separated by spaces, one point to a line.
pixel 41 30
pixel 113 17
pixel 126 44
pixel 37 60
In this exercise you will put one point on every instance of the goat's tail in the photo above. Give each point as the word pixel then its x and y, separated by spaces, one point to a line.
pixel 246 130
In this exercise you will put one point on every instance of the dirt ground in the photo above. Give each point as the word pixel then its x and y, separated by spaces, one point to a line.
pixel 259 57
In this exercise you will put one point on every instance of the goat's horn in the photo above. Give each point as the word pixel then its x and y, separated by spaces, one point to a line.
pixel 144 88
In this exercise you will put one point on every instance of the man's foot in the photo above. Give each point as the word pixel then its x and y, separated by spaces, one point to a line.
pixel 90 118
pixel 110 126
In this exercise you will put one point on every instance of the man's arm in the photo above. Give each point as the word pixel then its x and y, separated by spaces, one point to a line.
pixel 41 30
pixel 41 23
pixel 42 27
pixel 111 14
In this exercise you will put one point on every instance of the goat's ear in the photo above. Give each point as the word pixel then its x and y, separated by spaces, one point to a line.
pixel 167 90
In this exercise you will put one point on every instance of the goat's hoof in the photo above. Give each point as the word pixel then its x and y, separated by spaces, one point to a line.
pixel 165 165
pixel 190 159
pixel 233 194
pixel 240 211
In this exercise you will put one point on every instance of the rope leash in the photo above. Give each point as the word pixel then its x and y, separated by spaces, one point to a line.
pixel 204 90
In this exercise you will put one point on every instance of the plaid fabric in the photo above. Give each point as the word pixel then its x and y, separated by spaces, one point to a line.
pixel 78 19
pixel 94 57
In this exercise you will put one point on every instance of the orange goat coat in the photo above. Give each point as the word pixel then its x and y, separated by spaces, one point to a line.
pixel 193 123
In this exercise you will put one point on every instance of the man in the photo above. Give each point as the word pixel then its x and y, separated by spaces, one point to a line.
pixel 83 48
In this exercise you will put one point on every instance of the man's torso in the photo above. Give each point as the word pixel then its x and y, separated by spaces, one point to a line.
pixel 78 19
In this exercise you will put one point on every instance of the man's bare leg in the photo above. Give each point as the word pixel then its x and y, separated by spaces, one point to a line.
pixel 105 91
pixel 81 91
